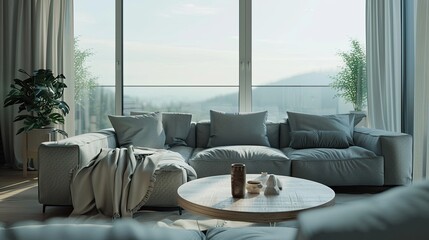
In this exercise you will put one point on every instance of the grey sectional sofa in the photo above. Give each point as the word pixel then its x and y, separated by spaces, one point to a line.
pixel 376 158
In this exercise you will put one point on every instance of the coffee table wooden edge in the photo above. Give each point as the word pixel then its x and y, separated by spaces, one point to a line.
pixel 256 217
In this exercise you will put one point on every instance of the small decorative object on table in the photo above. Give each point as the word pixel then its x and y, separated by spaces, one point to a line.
pixel 253 187
pixel 262 178
pixel 273 186
pixel 238 180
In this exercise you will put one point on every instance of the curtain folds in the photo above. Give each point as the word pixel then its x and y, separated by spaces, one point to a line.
pixel 383 33
pixel 34 34
pixel 421 91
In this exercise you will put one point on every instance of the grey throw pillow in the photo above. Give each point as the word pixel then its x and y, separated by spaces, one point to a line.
pixel 176 127
pixel 238 129
pixel 318 139
pixel 309 122
pixel 142 130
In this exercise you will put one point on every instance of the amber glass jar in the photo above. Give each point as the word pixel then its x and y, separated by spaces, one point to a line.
pixel 238 180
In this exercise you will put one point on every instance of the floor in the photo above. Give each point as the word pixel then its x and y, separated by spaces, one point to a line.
pixel 19 202
pixel 18 199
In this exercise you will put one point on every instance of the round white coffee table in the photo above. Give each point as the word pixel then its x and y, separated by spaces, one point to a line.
pixel 211 196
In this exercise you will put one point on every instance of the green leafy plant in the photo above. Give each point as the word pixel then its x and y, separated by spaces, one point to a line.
pixel 351 80
pixel 84 80
pixel 39 96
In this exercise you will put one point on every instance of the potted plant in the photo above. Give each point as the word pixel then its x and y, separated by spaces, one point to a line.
pixel 40 101
pixel 351 80
pixel 40 97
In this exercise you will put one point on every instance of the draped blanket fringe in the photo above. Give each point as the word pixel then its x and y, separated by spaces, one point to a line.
pixel 118 182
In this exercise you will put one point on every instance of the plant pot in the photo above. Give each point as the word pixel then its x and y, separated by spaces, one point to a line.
pixel 34 138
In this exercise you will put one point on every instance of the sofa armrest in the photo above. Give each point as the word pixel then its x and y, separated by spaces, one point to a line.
pixel 58 159
pixel 396 148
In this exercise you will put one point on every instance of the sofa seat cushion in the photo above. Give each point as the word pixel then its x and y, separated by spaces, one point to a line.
pixel 184 151
pixel 218 160
pixel 252 233
pixel 337 167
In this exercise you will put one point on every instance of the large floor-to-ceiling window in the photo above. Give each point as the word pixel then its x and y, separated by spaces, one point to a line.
pixel 295 46
pixel 227 55
pixel 181 55
pixel 94 62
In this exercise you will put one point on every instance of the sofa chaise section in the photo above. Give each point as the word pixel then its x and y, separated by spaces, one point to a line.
pixel 59 159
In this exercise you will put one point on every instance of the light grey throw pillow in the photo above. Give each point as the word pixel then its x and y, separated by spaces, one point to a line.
pixel 238 129
pixel 142 130
pixel 309 122
pixel 176 127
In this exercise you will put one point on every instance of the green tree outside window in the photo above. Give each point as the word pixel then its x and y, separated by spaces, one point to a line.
pixel 351 81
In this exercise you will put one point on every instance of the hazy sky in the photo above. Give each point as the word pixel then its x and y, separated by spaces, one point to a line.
pixel 196 42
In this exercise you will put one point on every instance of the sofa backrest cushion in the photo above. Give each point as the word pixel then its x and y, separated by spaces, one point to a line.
pixel 400 213
pixel 191 140
pixel 318 139
pixel 202 131
pixel 273 134
pixel 228 129
pixel 176 127
pixel 284 138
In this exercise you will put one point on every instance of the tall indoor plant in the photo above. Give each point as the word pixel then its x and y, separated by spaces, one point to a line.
pixel 40 100
pixel 351 80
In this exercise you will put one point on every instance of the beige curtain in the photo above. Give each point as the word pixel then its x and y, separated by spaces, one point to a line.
pixel 383 34
pixel 34 34
pixel 421 91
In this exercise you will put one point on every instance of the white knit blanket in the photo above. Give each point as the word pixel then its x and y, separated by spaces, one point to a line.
pixel 119 181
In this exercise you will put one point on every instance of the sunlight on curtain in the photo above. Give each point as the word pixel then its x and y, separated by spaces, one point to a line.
pixel 421 98
pixel 34 34
pixel 383 26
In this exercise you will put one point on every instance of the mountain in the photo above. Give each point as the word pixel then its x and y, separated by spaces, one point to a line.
pixel 311 78
pixel 308 92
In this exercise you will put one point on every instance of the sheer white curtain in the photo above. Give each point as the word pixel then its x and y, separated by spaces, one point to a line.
pixel 421 91
pixel 383 32
pixel 34 34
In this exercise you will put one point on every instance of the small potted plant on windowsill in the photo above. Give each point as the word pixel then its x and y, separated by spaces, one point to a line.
pixel 39 100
